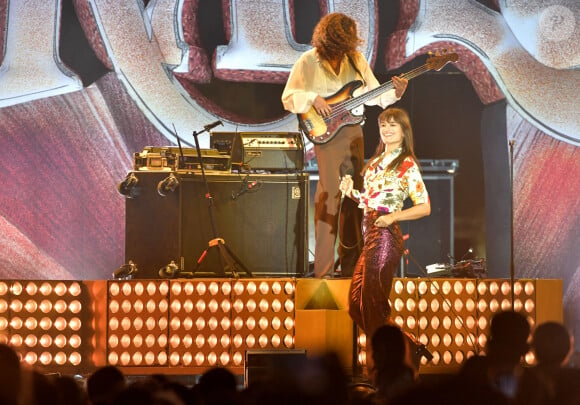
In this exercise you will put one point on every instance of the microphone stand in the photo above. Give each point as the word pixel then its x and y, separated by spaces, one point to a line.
pixel 512 265
pixel 229 262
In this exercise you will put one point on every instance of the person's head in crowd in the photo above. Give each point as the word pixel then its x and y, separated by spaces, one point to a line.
pixel 104 384
pixel 393 372
pixel 217 385
pixel 508 337
pixel 389 347
pixel 10 376
pixel 552 343
pixel 37 388
pixel 69 391
pixel 134 394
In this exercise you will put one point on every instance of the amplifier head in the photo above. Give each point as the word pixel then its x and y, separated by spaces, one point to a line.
pixel 228 143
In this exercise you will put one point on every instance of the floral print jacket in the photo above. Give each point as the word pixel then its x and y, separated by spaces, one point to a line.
pixel 386 190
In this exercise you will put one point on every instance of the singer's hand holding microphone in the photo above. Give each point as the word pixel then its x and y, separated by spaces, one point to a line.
pixel 346 186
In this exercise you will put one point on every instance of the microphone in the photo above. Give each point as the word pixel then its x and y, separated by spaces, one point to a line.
pixel 454 260
pixel 212 125
pixel 245 187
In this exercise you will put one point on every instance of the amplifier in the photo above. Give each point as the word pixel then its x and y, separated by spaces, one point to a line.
pixel 167 158
pixel 273 151
pixel 281 152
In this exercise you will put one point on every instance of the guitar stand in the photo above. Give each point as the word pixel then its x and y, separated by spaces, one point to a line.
pixel 229 262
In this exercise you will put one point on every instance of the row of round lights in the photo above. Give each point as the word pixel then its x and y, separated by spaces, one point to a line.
pixel 30 324
pixel 229 317
pixel 413 298
pixel 138 322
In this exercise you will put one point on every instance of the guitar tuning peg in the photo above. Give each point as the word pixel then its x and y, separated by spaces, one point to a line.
pixel 430 53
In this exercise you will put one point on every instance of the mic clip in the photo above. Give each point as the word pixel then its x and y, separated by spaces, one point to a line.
pixel 245 187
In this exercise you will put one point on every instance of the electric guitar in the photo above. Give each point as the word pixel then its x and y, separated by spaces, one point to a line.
pixel 320 130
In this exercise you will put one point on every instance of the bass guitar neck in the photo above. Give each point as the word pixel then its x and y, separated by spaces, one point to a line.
pixel 320 130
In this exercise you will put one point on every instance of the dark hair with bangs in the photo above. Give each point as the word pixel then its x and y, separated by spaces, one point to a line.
pixel 402 118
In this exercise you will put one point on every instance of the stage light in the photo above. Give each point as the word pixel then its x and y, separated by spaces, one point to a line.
pixel 171 270
pixel 157 323
pixel 447 357
pixel 481 288
pixel 398 287
pixel 482 305
pixel 129 186
pixel 126 271
pixel 529 305
pixel 40 313
pixel 470 322
pixel 399 321
pixel 16 340
pixel 398 305
pixel 482 340
pixel 435 305
pixel 362 358
pixel 167 185
pixel 135 325
pixel 505 304
pixel 435 322
pixel 212 325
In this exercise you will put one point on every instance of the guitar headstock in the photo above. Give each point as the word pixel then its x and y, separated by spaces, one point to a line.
pixel 437 61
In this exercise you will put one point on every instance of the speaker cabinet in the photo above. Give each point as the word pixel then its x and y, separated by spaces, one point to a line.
pixel 262 219
pixel 151 225
pixel 431 238
pixel 261 365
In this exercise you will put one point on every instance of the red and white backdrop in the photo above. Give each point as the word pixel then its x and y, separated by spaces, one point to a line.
pixel 86 83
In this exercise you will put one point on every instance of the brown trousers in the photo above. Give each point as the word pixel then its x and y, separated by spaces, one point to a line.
pixel 341 155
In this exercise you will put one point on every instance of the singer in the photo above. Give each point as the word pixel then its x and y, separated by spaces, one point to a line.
pixel 319 72
pixel 391 176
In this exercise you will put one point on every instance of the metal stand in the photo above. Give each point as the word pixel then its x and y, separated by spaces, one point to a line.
pixel 229 262
pixel 512 265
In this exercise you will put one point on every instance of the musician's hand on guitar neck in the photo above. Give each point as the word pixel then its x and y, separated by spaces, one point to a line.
pixel 321 106
pixel 400 85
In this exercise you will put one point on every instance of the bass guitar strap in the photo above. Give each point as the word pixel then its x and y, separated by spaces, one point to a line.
pixel 357 70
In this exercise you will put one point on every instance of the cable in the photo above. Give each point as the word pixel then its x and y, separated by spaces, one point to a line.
pixel 468 336
pixel 342 245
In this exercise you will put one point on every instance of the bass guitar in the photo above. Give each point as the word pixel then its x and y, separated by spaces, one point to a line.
pixel 320 130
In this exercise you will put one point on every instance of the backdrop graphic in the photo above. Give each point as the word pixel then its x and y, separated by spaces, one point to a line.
pixel 84 85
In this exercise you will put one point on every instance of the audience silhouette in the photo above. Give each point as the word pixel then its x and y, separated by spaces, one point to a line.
pixel 10 375
pixel 550 381
pixel 392 373
pixel 500 367
pixel 496 377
